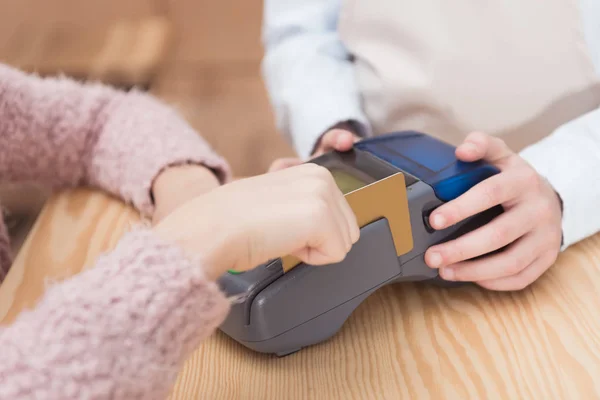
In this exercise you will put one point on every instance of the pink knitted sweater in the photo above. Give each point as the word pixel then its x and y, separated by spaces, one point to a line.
pixel 122 329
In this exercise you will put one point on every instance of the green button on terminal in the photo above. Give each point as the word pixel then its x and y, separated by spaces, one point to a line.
pixel 234 272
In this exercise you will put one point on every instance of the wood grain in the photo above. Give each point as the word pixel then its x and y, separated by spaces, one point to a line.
pixel 405 342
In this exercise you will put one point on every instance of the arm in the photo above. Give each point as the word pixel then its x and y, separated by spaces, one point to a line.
pixel 570 160
pixel 60 133
pixel 123 329
pixel 570 157
pixel 160 304
pixel 307 70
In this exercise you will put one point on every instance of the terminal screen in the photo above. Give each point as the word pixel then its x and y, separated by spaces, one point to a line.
pixel 345 181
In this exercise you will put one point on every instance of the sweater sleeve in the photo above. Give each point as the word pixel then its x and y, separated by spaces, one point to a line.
pixel 61 133
pixel 121 330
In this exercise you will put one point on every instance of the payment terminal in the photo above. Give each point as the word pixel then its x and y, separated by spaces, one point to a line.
pixel 392 183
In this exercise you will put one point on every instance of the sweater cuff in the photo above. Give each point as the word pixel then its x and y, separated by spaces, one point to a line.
pixel 140 138
pixel 308 126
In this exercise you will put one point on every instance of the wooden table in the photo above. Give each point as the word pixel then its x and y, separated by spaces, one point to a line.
pixel 405 342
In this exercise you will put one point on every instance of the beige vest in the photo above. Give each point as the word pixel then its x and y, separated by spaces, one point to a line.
pixel 517 69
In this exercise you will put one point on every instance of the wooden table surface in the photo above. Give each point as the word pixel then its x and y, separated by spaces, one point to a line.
pixel 405 342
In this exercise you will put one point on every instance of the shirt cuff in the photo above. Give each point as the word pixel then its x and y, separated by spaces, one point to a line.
pixel 570 160
pixel 309 125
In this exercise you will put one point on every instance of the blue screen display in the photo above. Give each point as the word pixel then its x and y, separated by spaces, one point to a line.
pixel 430 160
pixel 431 154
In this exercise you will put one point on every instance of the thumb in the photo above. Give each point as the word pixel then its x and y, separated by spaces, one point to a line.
pixel 480 146
pixel 336 139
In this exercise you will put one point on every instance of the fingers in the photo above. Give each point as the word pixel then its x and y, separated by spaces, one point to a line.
pixel 344 141
pixel 500 232
pixel 481 146
pixel 334 224
pixel 527 233
pixel 510 261
pixel 336 139
pixel 326 243
pixel 496 190
pixel 339 201
pixel 325 185
pixel 316 256
pixel 493 191
pixel 342 212
pixel 524 278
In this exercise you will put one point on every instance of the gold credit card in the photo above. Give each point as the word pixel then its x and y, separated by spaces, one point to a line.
pixel 386 198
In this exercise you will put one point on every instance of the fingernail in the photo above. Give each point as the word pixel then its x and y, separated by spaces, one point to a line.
pixel 447 274
pixel 435 259
pixel 438 221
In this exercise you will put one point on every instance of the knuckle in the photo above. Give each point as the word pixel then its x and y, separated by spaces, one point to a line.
pixel 313 166
pixel 452 254
pixel 532 179
pixel 546 208
pixel 459 274
pixel 469 274
pixel 309 167
pixel 348 247
pixel 339 255
pixel 499 236
pixel 514 265
pixel 318 210
pixel 492 194
pixel 502 146
pixel 496 141
pixel 458 254
pixel 320 188
pixel 323 175
pixel 452 212
pixel 315 170
pixel 479 137
pixel 322 172
pixel 355 234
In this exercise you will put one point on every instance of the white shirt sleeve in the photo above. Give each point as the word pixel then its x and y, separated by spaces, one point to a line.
pixel 570 157
pixel 311 84
pixel 307 71
pixel 570 160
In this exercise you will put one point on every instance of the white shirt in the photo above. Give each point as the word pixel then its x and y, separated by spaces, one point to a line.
pixel 310 81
